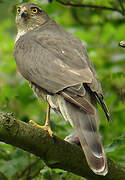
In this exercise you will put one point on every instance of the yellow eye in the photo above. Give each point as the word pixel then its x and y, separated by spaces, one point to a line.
pixel 34 10
pixel 18 10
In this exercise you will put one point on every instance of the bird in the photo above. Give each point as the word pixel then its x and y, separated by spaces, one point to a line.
pixel 58 69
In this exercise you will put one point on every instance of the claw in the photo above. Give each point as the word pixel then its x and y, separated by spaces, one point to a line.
pixel 45 127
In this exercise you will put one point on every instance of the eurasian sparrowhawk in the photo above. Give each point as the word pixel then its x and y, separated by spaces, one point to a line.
pixel 58 69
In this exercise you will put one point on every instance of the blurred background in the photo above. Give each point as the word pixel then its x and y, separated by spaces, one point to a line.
pixel 101 30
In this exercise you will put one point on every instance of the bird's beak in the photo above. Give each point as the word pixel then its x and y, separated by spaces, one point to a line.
pixel 24 13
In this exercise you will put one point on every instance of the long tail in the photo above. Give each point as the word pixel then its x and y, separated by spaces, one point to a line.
pixel 87 131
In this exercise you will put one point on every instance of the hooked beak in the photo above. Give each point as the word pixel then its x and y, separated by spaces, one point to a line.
pixel 24 13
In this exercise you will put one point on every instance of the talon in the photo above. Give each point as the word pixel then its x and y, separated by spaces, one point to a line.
pixel 45 127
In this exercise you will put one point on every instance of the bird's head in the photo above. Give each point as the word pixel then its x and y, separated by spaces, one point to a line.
pixel 29 16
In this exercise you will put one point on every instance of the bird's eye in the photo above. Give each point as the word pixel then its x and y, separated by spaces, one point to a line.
pixel 18 10
pixel 34 10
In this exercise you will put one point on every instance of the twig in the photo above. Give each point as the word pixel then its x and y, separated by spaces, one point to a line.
pixel 68 3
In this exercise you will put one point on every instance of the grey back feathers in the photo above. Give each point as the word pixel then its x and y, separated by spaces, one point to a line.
pixel 57 64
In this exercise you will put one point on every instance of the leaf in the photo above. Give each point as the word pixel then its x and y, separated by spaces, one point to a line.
pixel 117 143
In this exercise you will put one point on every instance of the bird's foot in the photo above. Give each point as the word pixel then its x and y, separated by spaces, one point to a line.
pixel 46 127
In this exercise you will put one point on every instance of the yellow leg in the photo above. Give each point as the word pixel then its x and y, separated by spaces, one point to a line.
pixel 46 127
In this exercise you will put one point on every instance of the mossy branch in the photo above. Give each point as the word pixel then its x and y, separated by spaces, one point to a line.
pixel 55 152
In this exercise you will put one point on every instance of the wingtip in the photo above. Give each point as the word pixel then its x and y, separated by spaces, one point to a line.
pixel 108 117
pixel 104 107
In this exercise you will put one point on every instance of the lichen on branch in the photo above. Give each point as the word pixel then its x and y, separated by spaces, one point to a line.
pixel 52 150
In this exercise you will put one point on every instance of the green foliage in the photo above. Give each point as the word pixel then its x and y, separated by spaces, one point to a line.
pixel 101 31
pixel 116 149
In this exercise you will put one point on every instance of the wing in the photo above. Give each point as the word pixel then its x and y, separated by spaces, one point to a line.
pixel 50 67
pixel 56 61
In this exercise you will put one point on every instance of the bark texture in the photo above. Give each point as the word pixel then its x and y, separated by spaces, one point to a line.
pixel 55 152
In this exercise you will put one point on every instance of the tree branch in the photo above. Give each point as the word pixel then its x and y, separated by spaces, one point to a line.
pixel 55 152
pixel 69 3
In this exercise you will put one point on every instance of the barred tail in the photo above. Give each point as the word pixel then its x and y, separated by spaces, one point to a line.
pixel 87 130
